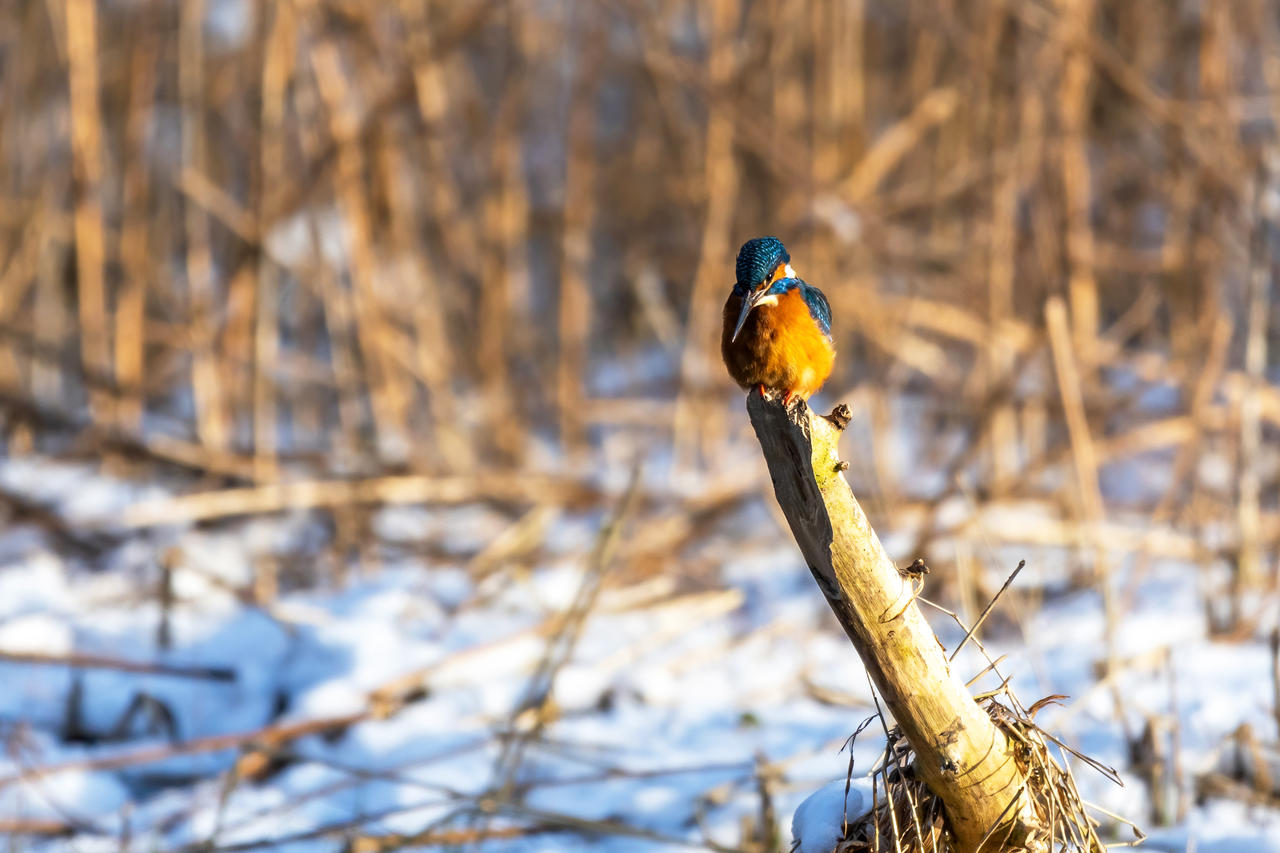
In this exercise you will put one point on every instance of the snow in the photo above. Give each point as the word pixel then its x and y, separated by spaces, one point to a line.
pixel 676 686
pixel 820 820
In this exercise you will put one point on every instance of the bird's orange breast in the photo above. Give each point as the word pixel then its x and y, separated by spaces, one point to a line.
pixel 780 346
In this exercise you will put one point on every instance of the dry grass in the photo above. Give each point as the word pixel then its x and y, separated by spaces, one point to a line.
pixel 907 818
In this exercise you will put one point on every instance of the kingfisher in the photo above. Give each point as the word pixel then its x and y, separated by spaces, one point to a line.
pixel 777 328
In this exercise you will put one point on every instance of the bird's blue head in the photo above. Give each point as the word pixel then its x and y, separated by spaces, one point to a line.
pixel 761 262
pixel 758 259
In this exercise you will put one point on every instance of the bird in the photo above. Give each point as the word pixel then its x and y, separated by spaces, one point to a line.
pixel 777 328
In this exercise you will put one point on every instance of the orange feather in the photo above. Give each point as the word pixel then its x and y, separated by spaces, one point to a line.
pixel 780 347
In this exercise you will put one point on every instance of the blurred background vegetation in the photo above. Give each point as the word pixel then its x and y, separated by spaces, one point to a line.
pixel 357 238
pixel 330 254
pixel 269 241
pixel 349 238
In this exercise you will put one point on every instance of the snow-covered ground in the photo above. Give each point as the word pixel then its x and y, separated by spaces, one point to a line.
pixel 689 681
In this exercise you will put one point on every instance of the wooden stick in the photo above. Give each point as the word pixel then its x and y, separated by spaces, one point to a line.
pixel 45 827
pixel 271 736
pixel 82 660
pixel 986 611
pixel 318 494
pixel 961 755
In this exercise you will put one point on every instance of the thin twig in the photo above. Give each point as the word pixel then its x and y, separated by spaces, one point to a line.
pixel 987 610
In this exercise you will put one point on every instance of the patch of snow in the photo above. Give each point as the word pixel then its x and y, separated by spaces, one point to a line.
pixel 819 822
pixel 674 686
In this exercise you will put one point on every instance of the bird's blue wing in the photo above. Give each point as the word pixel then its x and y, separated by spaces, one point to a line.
pixel 818 306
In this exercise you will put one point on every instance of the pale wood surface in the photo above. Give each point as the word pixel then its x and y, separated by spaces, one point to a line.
pixel 962 756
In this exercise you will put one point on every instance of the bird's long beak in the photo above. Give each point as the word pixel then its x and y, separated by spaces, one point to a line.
pixel 747 305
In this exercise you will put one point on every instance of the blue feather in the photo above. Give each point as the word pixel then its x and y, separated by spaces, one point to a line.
pixel 819 308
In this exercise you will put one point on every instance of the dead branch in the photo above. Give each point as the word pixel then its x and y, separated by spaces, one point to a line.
pixel 962 756
pixel 81 660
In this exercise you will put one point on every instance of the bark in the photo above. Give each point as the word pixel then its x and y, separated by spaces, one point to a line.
pixel 961 755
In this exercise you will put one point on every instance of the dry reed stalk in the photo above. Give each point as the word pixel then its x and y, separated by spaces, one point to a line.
pixel 1176 431
pixel 888 489
pixel 962 326
pixel 368 842
pixel 966 580
pixel 135 244
pixel 790 103
pixel 1069 386
pixel 339 325
pixel 215 201
pixel 886 328
pixel 236 346
pixel 787 85
pixel 1086 462
pixel 40 827
pixel 1248 575
pixel 1112 537
pixel 1275 675
pixel 82 660
pixel 1034 427
pixel 212 419
pixel 1218 331
pixel 277 66
pixel 388 394
pixel 998 356
pixel 574 316
pixel 695 421
pixel 671 620
pixel 1074 97
pixel 320 280
pixel 504 270
pixel 436 92
pixel 639 412
pixel 272 735
pixel 894 144
pixel 23 266
pixel 927 49
pixel 86 146
pixel 433 357
pixel 48 380
pixel 837 120
pixel 321 494
pixel 647 285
